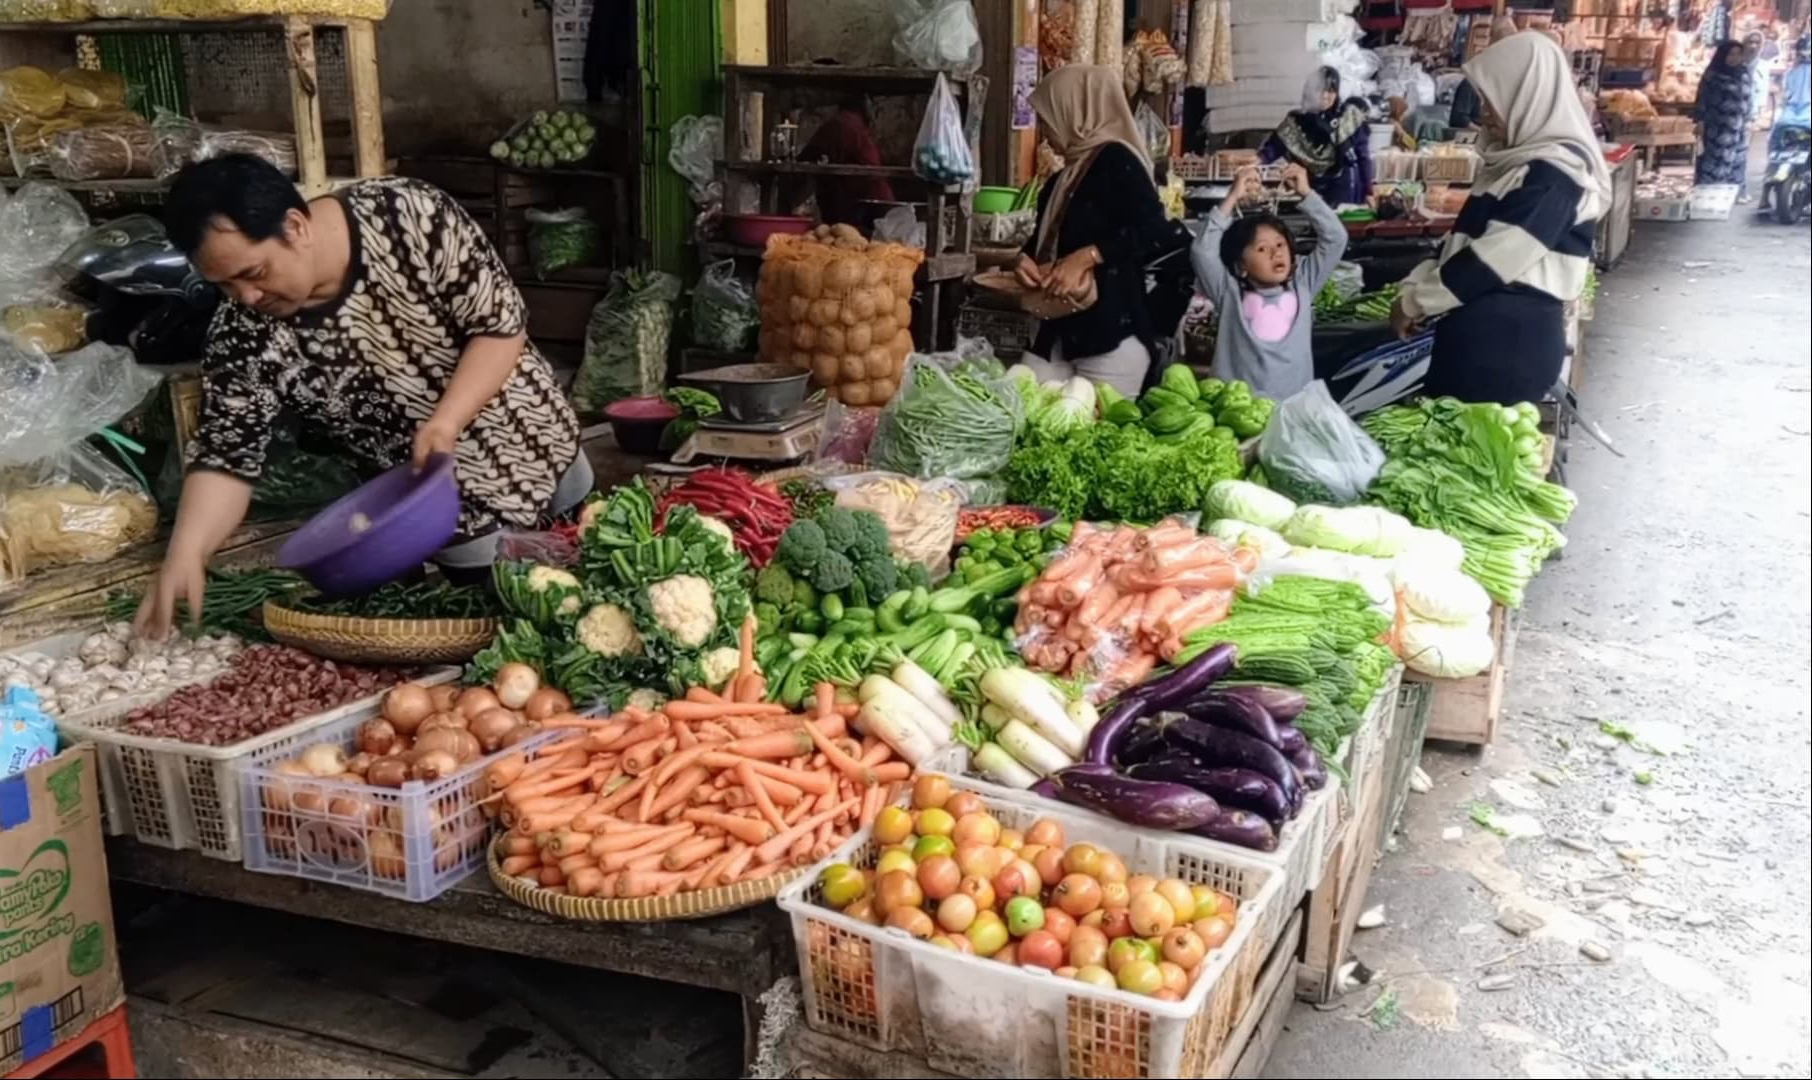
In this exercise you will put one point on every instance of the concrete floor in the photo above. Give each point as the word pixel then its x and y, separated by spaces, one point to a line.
pixel 1656 727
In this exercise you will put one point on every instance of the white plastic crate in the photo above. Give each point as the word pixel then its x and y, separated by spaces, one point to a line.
pixel 1712 202
pixel 973 1017
pixel 413 842
pixel 180 795
pixel 1301 849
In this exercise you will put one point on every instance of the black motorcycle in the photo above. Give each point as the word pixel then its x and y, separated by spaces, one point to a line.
pixel 145 293
pixel 1787 183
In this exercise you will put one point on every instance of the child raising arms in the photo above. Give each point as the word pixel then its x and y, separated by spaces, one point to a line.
pixel 1264 295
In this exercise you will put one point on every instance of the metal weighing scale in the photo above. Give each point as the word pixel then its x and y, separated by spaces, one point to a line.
pixel 775 442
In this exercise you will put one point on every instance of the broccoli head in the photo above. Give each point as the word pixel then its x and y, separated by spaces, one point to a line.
pixel 804 596
pixel 839 525
pixel 774 585
pixel 879 577
pixel 801 546
pixel 873 541
pixel 833 573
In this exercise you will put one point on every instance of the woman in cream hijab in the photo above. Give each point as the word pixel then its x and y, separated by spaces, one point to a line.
pixel 1100 225
pixel 1522 244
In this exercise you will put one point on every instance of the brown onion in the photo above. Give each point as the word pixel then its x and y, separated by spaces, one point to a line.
pixel 433 765
pixel 462 744
pixel 443 696
pixel 477 700
pixel 406 706
pixel 348 806
pixel 491 726
pixel 545 702
pixel 359 763
pixel 388 772
pixel 517 734
pixel 385 852
pixel 515 684
pixel 324 760
pixel 377 735
pixel 455 720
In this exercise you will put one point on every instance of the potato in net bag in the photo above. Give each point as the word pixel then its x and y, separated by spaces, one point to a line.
pixel 61 500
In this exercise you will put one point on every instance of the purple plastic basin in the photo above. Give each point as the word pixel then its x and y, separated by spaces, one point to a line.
pixel 378 533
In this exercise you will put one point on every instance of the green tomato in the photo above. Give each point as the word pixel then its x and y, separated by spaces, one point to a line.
pixel 1024 915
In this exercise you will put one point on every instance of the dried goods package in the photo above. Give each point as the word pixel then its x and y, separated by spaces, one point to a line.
pixel 839 306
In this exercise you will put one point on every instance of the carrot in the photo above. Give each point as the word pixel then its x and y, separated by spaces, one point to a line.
pixel 775 744
pixel 783 793
pixel 638 758
pixel 1097 603
pixel 574 720
pixel 1072 589
pixel 1135 614
pixel 556 817
pixel 551 876
pixel 848 709
pixel 781 844
pixel 825 697
pixel 662 840
pixel 1204 607
pixel 504 772
pixel 871 805
pixel 606 843
pixel 647 883
pixel 747 727
pixel 566 841
pixel 577 860
pixel 517 865
pixel 601 740
pixel 815 782
pixel 759 794
pixel 738 862
pixel 757 688
pixel 693 710
pixel 681 856
pixel 1132 670
pixel 518 845
pixel 747 830
pixel 756 873
pixel 613 799
pixel 522 791
pixel 673 763
pixel 676 792
pixel 844 763
pixel 683 737
pixel 745 652
pixel 703 696
pixel 586 881
pixel 712 731
pixel 1158 603
pixel 892 770
pixel 644 730
pixel 798 810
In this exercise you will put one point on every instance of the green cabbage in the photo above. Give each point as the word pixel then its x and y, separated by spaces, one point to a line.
pixel 1357 530
pixel 1246 501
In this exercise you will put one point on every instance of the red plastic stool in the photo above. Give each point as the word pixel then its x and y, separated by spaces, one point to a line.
pixel 102 1051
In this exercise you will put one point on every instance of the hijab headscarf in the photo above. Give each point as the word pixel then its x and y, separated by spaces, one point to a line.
pixel 1720 68
pixel 1316 136
pixel 1082 108
pixel 1528 81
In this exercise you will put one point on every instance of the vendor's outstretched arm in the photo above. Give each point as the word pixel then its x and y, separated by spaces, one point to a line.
pixel 213 504
pixel 484 366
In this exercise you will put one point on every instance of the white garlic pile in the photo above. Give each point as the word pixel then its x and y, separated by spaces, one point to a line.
pixel 112 664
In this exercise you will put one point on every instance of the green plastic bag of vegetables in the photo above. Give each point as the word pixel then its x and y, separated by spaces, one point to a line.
pixel 561 238
pixel 724 312
pixel 626 341
pixel 1314 453
pixel 952 417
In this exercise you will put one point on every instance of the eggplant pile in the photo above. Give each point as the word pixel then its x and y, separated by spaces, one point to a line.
pixel 1180 753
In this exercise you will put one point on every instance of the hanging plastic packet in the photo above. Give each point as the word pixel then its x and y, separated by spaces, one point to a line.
pixel 28 736
pixel 941 152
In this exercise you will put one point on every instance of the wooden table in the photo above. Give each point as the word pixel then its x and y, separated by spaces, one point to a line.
pixel 1651 144
pixel 742 953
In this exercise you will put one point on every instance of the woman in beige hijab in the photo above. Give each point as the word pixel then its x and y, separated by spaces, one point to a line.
pixel 1522 244
pixel 1100 225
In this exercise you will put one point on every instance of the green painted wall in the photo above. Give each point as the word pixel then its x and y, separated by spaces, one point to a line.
pixel 682 53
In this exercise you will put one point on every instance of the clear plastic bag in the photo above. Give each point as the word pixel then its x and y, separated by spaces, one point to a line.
pixel 52 327
pixel 900 225
pixel 626 341
pixel 1348 280
pixel 559 239
pixel 1314 453
pixel 941 154
pixel 849 430
pixel 181 141
pixel 61 500
pixel 921 515
pixel 1154 131
pixel 939 35
pixel 698 145
pixel 37 225
pixel 106 152
pixel 953 417
pixel 724 312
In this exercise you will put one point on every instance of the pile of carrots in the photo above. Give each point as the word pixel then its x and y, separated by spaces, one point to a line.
pixel 1120 600
pixel 708 791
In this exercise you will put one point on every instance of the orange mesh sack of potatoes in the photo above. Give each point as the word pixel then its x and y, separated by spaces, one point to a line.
pixel 840 307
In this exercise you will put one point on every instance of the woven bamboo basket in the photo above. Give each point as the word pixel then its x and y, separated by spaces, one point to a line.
pixel 692 905
pixel 379 641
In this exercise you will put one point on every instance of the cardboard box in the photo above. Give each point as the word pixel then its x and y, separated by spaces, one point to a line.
pixel 1662 209
pixel 59 967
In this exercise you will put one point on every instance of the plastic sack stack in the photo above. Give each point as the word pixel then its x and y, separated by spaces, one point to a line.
pixel 626 341
pixel 839 306
pixel 61 500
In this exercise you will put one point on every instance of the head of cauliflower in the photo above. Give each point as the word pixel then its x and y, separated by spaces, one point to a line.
pixel 609 630
pixel 718 665
pixel 541 579
pixel 717 526
pixel 685 606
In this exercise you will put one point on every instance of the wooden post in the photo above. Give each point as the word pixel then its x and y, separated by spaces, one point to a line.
pixel 305 104
pixel 367 99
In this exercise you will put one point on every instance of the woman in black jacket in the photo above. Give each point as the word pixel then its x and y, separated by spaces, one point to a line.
pixel 1100 225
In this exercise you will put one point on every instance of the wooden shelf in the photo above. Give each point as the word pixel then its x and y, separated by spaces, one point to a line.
pixel 824 168
pixel 236 24
pixel 120 187
pixel 879 80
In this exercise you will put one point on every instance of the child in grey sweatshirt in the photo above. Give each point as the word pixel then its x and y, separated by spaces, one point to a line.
pixel 1265 296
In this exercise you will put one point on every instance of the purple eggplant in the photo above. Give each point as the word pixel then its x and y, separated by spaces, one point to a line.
pixel 1188 681
pixel 1240 789
pixel 1144 740
pixel 1149 803
pixel 1225 747
pixel 1105 737
pixel 1289 740
pixel 1234 711
pixel 1282 702
pixel 1309 764
pixel 1240 828
pixel 1046 788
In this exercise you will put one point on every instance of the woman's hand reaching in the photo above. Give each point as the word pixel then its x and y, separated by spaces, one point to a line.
pixel 1405 324
pixel 1029 273
pixel 1071 276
